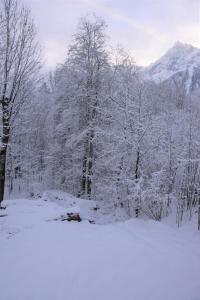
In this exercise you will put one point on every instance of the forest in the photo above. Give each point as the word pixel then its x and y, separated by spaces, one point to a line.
pixel 99 162
pixel 97 127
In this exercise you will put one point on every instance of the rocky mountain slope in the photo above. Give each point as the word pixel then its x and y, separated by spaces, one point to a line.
pixel 181 63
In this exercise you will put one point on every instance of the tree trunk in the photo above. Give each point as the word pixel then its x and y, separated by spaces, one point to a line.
pixel 87 167
pixel 137 176
pixel 2 172
pixel 4 145
pixel 199 213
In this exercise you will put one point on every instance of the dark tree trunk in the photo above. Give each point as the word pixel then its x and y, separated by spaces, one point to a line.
pixel 87 167
pixel 2 173
pixel 137 176
pixel 4 145
pixel 199 213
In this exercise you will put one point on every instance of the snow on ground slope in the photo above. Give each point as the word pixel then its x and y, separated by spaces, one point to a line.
pixel 43 259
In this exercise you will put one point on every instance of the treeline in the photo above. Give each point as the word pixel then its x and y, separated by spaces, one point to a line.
pixel 19 65
pixel 99 130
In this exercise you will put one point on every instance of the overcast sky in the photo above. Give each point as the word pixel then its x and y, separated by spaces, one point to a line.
pixel 147 28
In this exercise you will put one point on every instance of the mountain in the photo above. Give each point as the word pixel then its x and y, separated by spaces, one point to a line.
pixel 181 62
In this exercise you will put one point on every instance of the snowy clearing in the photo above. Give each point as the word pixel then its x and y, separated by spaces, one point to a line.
pixel 43 259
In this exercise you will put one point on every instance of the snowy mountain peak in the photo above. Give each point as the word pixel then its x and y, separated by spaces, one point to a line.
pixel 182 61
pixel 183 53
pixel 182 46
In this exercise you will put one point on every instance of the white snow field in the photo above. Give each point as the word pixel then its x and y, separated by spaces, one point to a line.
pixel 44 259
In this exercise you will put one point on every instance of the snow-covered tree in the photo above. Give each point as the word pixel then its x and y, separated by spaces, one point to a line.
pixel 19 61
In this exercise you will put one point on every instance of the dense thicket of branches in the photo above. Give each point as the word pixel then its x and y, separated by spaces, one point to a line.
pixel 98 130
pixel 18 65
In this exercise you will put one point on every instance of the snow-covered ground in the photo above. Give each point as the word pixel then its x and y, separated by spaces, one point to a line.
pixel 44 259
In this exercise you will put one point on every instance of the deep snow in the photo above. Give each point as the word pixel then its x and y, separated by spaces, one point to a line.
pixel 43 259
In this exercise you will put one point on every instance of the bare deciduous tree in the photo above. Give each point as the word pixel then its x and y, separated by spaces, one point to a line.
pixel 88 55
pixel 19 61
